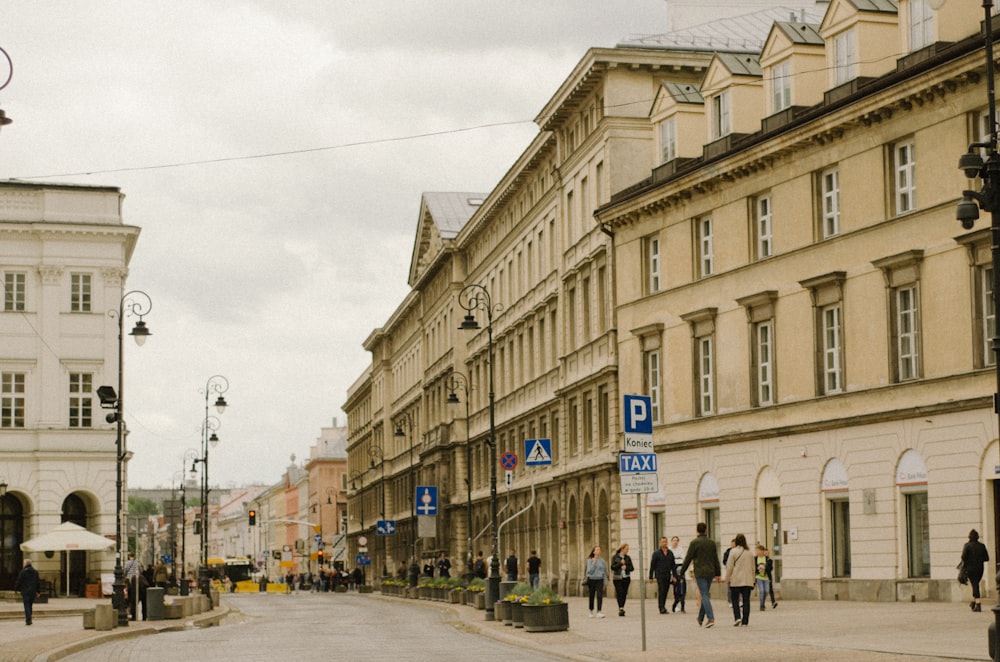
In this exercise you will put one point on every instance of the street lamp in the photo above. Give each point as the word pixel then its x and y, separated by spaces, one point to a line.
pixel 398 421
pixel 359 492
pixel 377 452
pixel 219 385
pixel 457 381
pixel 139 304
pixel 476 297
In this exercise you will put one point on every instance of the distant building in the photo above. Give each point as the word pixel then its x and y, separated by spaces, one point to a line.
pixel 64 257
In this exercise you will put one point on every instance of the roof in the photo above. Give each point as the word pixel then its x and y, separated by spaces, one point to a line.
pixel 451 211
pixel 741 64
pixel 881 6
pixel 801 33
pixel 683 92
pixel 740 33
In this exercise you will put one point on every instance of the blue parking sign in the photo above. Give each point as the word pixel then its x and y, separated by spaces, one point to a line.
pixel 638 423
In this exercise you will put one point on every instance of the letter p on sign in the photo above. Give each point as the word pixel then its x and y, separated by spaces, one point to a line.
pixel 638 424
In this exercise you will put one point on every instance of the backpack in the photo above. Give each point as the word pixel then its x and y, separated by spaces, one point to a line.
pixel 480 568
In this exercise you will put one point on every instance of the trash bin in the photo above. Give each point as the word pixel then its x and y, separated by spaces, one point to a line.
pixel 154 603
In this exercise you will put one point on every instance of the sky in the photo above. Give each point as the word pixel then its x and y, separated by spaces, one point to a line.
pixel 274 155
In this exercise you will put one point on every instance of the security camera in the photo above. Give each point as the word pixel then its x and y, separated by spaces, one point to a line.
pixel 967 211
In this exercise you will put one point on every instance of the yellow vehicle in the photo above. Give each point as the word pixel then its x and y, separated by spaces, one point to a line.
pixel 239 571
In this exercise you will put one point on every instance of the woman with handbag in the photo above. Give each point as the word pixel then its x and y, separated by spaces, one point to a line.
pixel 740 573
pixel 621 572
pixel 974 557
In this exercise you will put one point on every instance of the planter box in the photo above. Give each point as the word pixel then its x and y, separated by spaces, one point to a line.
pixel 545 618
pixel 515 614
pixel 365 588
pixel 502 613
pixel 479 600
pixel 455 596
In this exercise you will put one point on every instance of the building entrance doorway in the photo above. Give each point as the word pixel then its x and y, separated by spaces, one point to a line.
pixel 772 526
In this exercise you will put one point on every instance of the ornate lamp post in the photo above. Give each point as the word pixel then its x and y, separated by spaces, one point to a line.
pixel 358 491
pixel 377 452
pixel 139 304
pixel 398 423
pixel 219 385
pixel 459 381
pixel 476 297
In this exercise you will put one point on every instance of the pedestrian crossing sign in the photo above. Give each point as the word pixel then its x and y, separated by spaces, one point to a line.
pixel 537 452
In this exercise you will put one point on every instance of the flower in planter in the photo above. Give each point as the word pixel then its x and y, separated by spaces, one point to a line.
pixel 543 596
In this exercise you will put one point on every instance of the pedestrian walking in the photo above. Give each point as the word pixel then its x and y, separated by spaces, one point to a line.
pixel 680 583
pixel 762 564
pixel 29 586
pixel 725 560
pixel 702 555
pixel 740 573
pixel 534 569
pixel 160 574
pixel 132 580
pixel 974 556
pixel 479 568
pixel 511 565
pixel 443 565
pixel 621 575
pixel 662 569
pixel 770 578
pixel 597 574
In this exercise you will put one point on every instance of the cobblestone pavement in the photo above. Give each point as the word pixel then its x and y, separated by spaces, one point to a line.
pixel 331 623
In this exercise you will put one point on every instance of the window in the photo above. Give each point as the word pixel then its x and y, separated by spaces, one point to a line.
pixel 829 186
pixel 902 277
pixel 585 301
pixel 918 539
pixel 12 400
pixel 651 372
pixel 987 316
pixel 588 423
pixel 80 293
pixel 832 350
pixel 571 318
pixel 763 362
pixel 602 299
pixel 720 115
pixel 81 385
pixel 706 262
pixel 906 334
pixel 904 184
pixel 704 354
pixel 603 416
pixel 840 537
pixel 13 291
pixel 781 86
pixel 651 246
pixel 921 23
pixel 844 58
pixel 668 140
pixel 574 429
pixel 762 227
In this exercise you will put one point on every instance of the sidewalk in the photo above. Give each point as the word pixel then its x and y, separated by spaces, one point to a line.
pixel 795 632
pixel 57 629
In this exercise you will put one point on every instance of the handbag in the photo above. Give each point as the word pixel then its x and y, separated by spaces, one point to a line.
pixel 963 576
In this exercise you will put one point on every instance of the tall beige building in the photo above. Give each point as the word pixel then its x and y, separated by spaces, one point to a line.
pixel 774 261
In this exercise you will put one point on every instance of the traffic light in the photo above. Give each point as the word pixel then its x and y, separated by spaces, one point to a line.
pixel 319 557
pixel 253 517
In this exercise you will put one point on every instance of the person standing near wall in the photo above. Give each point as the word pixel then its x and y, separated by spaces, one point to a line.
pixel 974 556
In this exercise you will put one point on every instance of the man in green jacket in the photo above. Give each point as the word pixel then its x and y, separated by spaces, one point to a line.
pixel 702 553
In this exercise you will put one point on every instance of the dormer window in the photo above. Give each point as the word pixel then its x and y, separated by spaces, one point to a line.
pixel 845 65
pixel 720 115
pixel 668 140
pixel 781 86
pixel 921 23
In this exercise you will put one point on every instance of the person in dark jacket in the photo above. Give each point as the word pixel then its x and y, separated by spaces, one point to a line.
pixel 621 575
pixel 974 557
pixel 663 568
pixel 702 554
pixel 29 586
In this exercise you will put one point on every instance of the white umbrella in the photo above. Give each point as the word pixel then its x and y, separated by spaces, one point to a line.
pixel 67 537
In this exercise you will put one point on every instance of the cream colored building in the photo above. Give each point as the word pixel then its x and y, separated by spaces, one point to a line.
pixel 64 256
pixel 811 322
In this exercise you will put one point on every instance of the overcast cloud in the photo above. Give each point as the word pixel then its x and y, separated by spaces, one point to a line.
pixel 272 271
